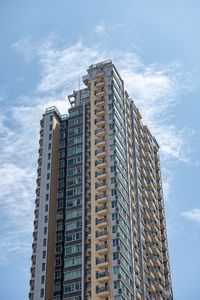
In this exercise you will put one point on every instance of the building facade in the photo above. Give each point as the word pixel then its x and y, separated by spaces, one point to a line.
pixel 99 228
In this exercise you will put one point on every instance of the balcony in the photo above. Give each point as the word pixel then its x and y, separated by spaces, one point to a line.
pixel 146 215
pixel 143 163
pixel 100 94
pixel 149 250
pixel 100 74
pixel 100 132
pixel 165 258
pixel 102 249
pixel 101 223
pixel 101 187
pixel 129 130
pixel 99 102
pixel 155 239
pixel 134 218
pixel 101 198
pixel 150 275
pixel 160 195
pixel 153 216
pixel 147 227
pixel 102 291
pixel 158 175
pixel 152 206
pixel 101 175
pixel 100 122
pixel 130 151
pixel 102 235
pixel 151 288
pixel 157 262
pixel 146 203
pixel 102 262
pixel 164 246
pixel 148 238
pixel 102 210
pixel 100 142
pixel 99 83
pixel 100 152
pixel 144 173
pixel 145 194
pixel 99 112
pixel 101 163
pixel 150 263
pixel 103 276
pixel 158 274
pixel 137 282
pixel 162 225
pixel 159 287
pixel 156 250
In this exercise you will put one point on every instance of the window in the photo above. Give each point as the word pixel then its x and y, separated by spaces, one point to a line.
pixel 44 242
pixel 42 279
pixel 74 171
pixel 47 197
pixel 50 136
pixel 58 261
pixel 42 293
pixel 57 287
pixel 58 249
pixel 59 238
pixel 75 131
pixel 73 237
pixel 49 155
pixel 73 225
pixel 74 192
pixel 57 274
pixel 75 150
pixel 73 249
pixel 73 261
pixel 46 207
pixel 74 202
pixel 61 183
pixel 49 147
pixel 44 254
pixel 74 181
pixel 72 274
pixel 75 140
pixel 74 122
pixel 73 214
pixel 60 194
pixel 70 288
pixel 75 112
pixel 45 230
pixel 48 176
pixel 43 267
pixel 59 226
pixel 74 160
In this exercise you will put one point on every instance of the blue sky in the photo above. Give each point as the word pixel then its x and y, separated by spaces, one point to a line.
pixel 45 47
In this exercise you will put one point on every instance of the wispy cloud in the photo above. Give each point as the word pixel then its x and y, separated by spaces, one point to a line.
pixel 156 90
pixel 192 215
pixel 100 28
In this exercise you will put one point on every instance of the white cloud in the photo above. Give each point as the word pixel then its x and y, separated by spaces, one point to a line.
pixel 100 28
pixel 192 215
pixel 154 88
pixel 25 48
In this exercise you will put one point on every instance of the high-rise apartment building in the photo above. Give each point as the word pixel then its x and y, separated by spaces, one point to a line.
pixel 99 228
